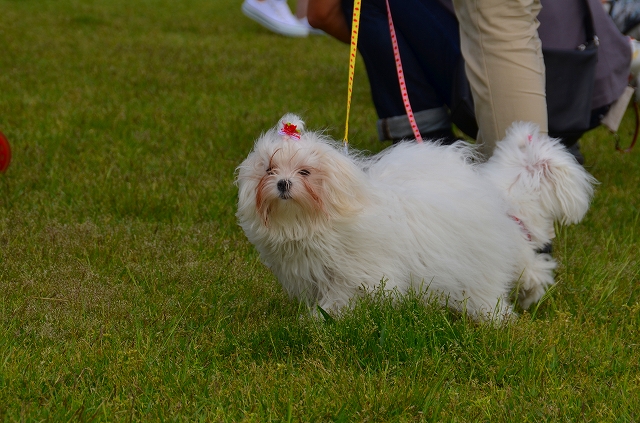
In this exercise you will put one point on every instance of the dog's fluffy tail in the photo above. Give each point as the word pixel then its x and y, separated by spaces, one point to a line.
pixel 539 168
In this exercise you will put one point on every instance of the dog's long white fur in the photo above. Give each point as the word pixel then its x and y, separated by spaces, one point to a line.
pixel 420 216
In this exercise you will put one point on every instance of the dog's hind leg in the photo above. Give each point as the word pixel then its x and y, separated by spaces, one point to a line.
pixel 536 277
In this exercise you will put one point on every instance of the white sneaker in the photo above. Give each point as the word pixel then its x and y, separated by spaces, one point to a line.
pixel 274 15
pixel 314 31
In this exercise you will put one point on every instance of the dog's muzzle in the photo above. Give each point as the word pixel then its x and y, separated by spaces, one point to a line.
pixel 284 185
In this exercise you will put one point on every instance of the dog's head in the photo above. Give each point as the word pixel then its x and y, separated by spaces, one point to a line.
pixel 296 181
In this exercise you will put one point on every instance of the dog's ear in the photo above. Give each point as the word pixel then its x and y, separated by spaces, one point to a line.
pixel 344 188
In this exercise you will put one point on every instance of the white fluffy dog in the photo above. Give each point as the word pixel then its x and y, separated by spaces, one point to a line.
pixel 331 225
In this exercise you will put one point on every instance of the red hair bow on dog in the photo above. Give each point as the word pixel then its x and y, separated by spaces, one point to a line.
pixel 290 130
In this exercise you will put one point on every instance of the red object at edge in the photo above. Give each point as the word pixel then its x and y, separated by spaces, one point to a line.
pixel 5 153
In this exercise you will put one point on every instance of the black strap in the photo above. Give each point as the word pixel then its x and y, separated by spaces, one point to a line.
pixel 589 27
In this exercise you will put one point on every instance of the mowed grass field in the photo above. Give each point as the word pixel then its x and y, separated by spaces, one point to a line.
pixel 128 292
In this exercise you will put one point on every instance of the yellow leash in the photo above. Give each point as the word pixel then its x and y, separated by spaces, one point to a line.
pixel 355 25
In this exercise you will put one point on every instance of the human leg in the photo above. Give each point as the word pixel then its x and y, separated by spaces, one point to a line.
pixel 504 65
pixel 428 94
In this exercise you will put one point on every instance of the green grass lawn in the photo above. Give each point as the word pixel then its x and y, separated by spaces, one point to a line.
pixel 128 292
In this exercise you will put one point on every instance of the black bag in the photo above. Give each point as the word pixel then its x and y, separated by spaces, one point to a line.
pixel 570 78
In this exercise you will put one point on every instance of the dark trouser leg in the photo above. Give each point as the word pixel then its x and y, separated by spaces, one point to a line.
pixel 429 47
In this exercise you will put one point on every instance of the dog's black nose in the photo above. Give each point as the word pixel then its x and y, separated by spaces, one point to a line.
pixel 284 185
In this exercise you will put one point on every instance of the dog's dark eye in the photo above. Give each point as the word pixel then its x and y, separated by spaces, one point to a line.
pixel 271 171
pixel 304 172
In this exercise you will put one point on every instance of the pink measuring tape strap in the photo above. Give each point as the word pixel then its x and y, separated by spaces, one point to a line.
pixel 403 85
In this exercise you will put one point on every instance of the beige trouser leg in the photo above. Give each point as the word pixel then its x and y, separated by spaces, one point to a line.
pixel 504 64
